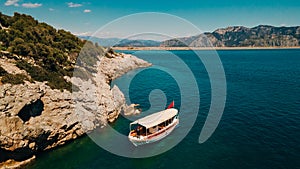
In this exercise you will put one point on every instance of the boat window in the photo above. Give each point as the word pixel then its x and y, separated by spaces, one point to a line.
pixel 167 122
pixel 139 130
pixel 161 126
pixel 143 133
pixel 153 129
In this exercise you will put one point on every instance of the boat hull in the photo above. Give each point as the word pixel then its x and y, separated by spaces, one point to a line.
pixel 154 137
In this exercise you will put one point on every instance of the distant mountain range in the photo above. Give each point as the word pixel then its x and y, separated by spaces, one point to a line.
pixel 239 36
pixel 122 42
pixel 235 36
pixel 106 42
pixel 137 43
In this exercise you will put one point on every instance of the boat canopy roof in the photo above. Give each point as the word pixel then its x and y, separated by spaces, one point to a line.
pixel 156 118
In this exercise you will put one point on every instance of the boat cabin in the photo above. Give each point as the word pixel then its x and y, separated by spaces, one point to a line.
pixel 153 123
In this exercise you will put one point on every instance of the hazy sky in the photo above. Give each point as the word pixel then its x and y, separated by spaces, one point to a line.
pixel 85 17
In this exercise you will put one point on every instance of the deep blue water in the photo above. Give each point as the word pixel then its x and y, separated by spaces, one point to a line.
pixel 260 127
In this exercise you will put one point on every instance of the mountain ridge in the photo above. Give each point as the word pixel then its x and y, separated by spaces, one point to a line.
pixel 118 42
pixel 240 36
pixel 232 36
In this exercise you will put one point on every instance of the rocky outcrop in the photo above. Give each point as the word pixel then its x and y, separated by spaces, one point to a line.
pixel 132 110
pixel 115 67
pixel 12 164
pixel 34 117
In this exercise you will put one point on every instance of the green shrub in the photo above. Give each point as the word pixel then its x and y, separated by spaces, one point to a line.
pixel 55 79
pixel 2 71
pixel 14 79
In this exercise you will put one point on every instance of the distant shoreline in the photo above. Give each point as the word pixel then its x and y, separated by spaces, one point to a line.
pixel 202 48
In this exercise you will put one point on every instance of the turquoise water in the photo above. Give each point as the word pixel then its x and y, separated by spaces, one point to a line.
pixel 259 128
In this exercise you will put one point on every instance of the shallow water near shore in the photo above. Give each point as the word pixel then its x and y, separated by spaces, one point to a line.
pixel 259 128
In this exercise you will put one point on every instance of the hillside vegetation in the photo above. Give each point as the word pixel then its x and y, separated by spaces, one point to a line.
pixel 45 53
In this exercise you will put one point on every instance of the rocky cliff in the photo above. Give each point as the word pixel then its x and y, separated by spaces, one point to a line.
pixel 35 117
pixel 54 87
pixel 239 36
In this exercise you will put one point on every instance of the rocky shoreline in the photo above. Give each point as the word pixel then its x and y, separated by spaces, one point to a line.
pixel 35 118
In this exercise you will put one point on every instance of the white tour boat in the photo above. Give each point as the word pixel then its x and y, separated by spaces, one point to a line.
pixel 154 127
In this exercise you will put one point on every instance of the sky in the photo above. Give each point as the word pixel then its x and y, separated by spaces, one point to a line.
pixel 86 17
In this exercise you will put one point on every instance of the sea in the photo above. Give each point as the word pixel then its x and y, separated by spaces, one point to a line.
pixel 258 128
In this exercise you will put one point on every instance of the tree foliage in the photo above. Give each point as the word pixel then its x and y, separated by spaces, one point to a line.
pixel 2 71
pixel 14 79
pixel 53 51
